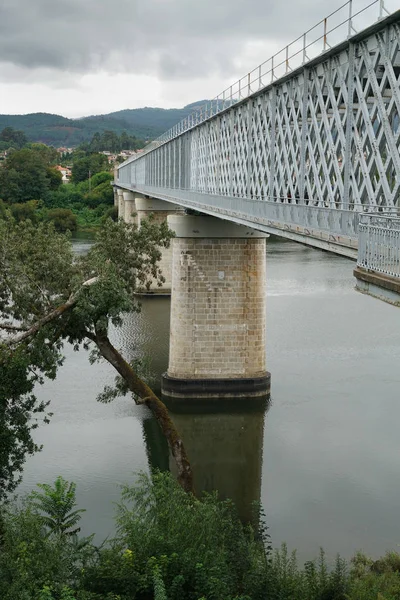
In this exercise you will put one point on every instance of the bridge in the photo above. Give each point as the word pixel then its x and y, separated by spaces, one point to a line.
pixel 305 146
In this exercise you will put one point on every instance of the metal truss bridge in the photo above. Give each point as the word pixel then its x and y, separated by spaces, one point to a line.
pixel 302 146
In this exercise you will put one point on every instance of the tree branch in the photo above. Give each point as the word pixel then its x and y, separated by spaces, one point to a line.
pixel 158 408
pixel 8 327
pixel 53 314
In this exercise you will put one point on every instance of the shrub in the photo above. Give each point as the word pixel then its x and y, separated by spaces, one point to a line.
pixel 63 219
pixel 169 541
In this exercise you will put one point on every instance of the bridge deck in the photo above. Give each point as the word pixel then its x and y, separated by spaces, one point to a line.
pixel 303 156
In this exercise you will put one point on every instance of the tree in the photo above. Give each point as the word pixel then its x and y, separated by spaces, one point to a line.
pixel 25 210
pixel 55 504
pixel 13 137
pixel 24 177
pixel 63 219
pixel 49 154
pixel 54 178
pixel 47 297
pixel 91 163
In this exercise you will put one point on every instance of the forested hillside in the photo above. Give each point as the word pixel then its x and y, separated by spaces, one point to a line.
pixel 144 123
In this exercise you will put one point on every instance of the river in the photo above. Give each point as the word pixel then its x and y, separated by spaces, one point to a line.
pixel 325 457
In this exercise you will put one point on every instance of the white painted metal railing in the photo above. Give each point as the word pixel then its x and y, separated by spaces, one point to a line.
pixel 310 152
pixel 379 244
pixel 338 25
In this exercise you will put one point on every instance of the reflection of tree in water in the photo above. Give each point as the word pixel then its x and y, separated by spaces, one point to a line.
pixel 145 336
pixel 224 448
pixel 156 445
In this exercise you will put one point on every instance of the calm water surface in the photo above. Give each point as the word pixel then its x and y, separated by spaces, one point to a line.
pixel 324 459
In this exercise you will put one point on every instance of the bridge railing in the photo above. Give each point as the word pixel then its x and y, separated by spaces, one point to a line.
pixel 333 29
pixel 279 213
pixel 379 244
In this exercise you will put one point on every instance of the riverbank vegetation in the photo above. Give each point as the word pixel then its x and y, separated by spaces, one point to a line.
pixel 168 545
pixel 49 297
pixel 31 187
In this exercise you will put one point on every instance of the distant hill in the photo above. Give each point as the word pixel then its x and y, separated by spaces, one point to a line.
pixel 145 123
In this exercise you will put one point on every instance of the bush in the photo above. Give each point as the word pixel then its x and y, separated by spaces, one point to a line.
pixel 110 213
pixel 169 546
pixel 169 539
pixel 24 211
pixel 31 559
pixel 63 219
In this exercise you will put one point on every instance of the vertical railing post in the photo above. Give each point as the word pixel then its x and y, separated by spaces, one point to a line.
pixel 218 154
pixel 249 146
pixel 349 130
pixel 304 48
pixel 272 147
pixel 350 17
pixel 231 150
pixel 304 129
pixel 325 33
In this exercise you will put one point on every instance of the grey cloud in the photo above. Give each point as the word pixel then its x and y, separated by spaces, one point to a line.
pixel 171 39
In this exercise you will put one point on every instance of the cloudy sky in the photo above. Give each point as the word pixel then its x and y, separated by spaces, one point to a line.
pixel 81 57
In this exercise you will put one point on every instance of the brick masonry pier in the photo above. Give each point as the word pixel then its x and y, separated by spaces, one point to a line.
pixel 217 333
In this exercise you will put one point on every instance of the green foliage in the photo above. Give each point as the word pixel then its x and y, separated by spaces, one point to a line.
pixel 88 166
pixel 63 219
pixel 35 564
pixel 48 154
pixel 25 210
pixel 27 175
pixel 39 276
pixel 19 412
pixel 55 504
pixel 169 546
pixel 111 141
pixel 176 546
pixel 23 177
pixel 54 177
pixel 13 137
pixel 110 213
pixel 33 256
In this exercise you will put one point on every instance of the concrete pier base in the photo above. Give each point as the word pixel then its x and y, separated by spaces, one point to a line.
pixel 160 211
pixel 218 311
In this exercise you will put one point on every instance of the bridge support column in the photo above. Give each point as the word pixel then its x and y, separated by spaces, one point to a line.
pixel 160 211
pixel 129 207
pixel 217 332
pixel 115 189
pixel 121 203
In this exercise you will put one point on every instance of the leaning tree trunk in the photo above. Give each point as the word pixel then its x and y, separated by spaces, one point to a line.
pixel 158 408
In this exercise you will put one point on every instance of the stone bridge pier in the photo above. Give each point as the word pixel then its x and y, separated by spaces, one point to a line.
pixel 160 210
pixel 217 331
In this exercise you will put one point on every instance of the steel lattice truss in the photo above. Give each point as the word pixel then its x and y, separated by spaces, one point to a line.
pixel 326 135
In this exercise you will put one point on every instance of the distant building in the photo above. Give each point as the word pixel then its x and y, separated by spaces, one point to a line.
pixel 65 173
pixel 64 150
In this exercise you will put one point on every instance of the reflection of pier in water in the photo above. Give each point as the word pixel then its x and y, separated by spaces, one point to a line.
pixel 225 451
pixel 224 448
pixel 223 438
